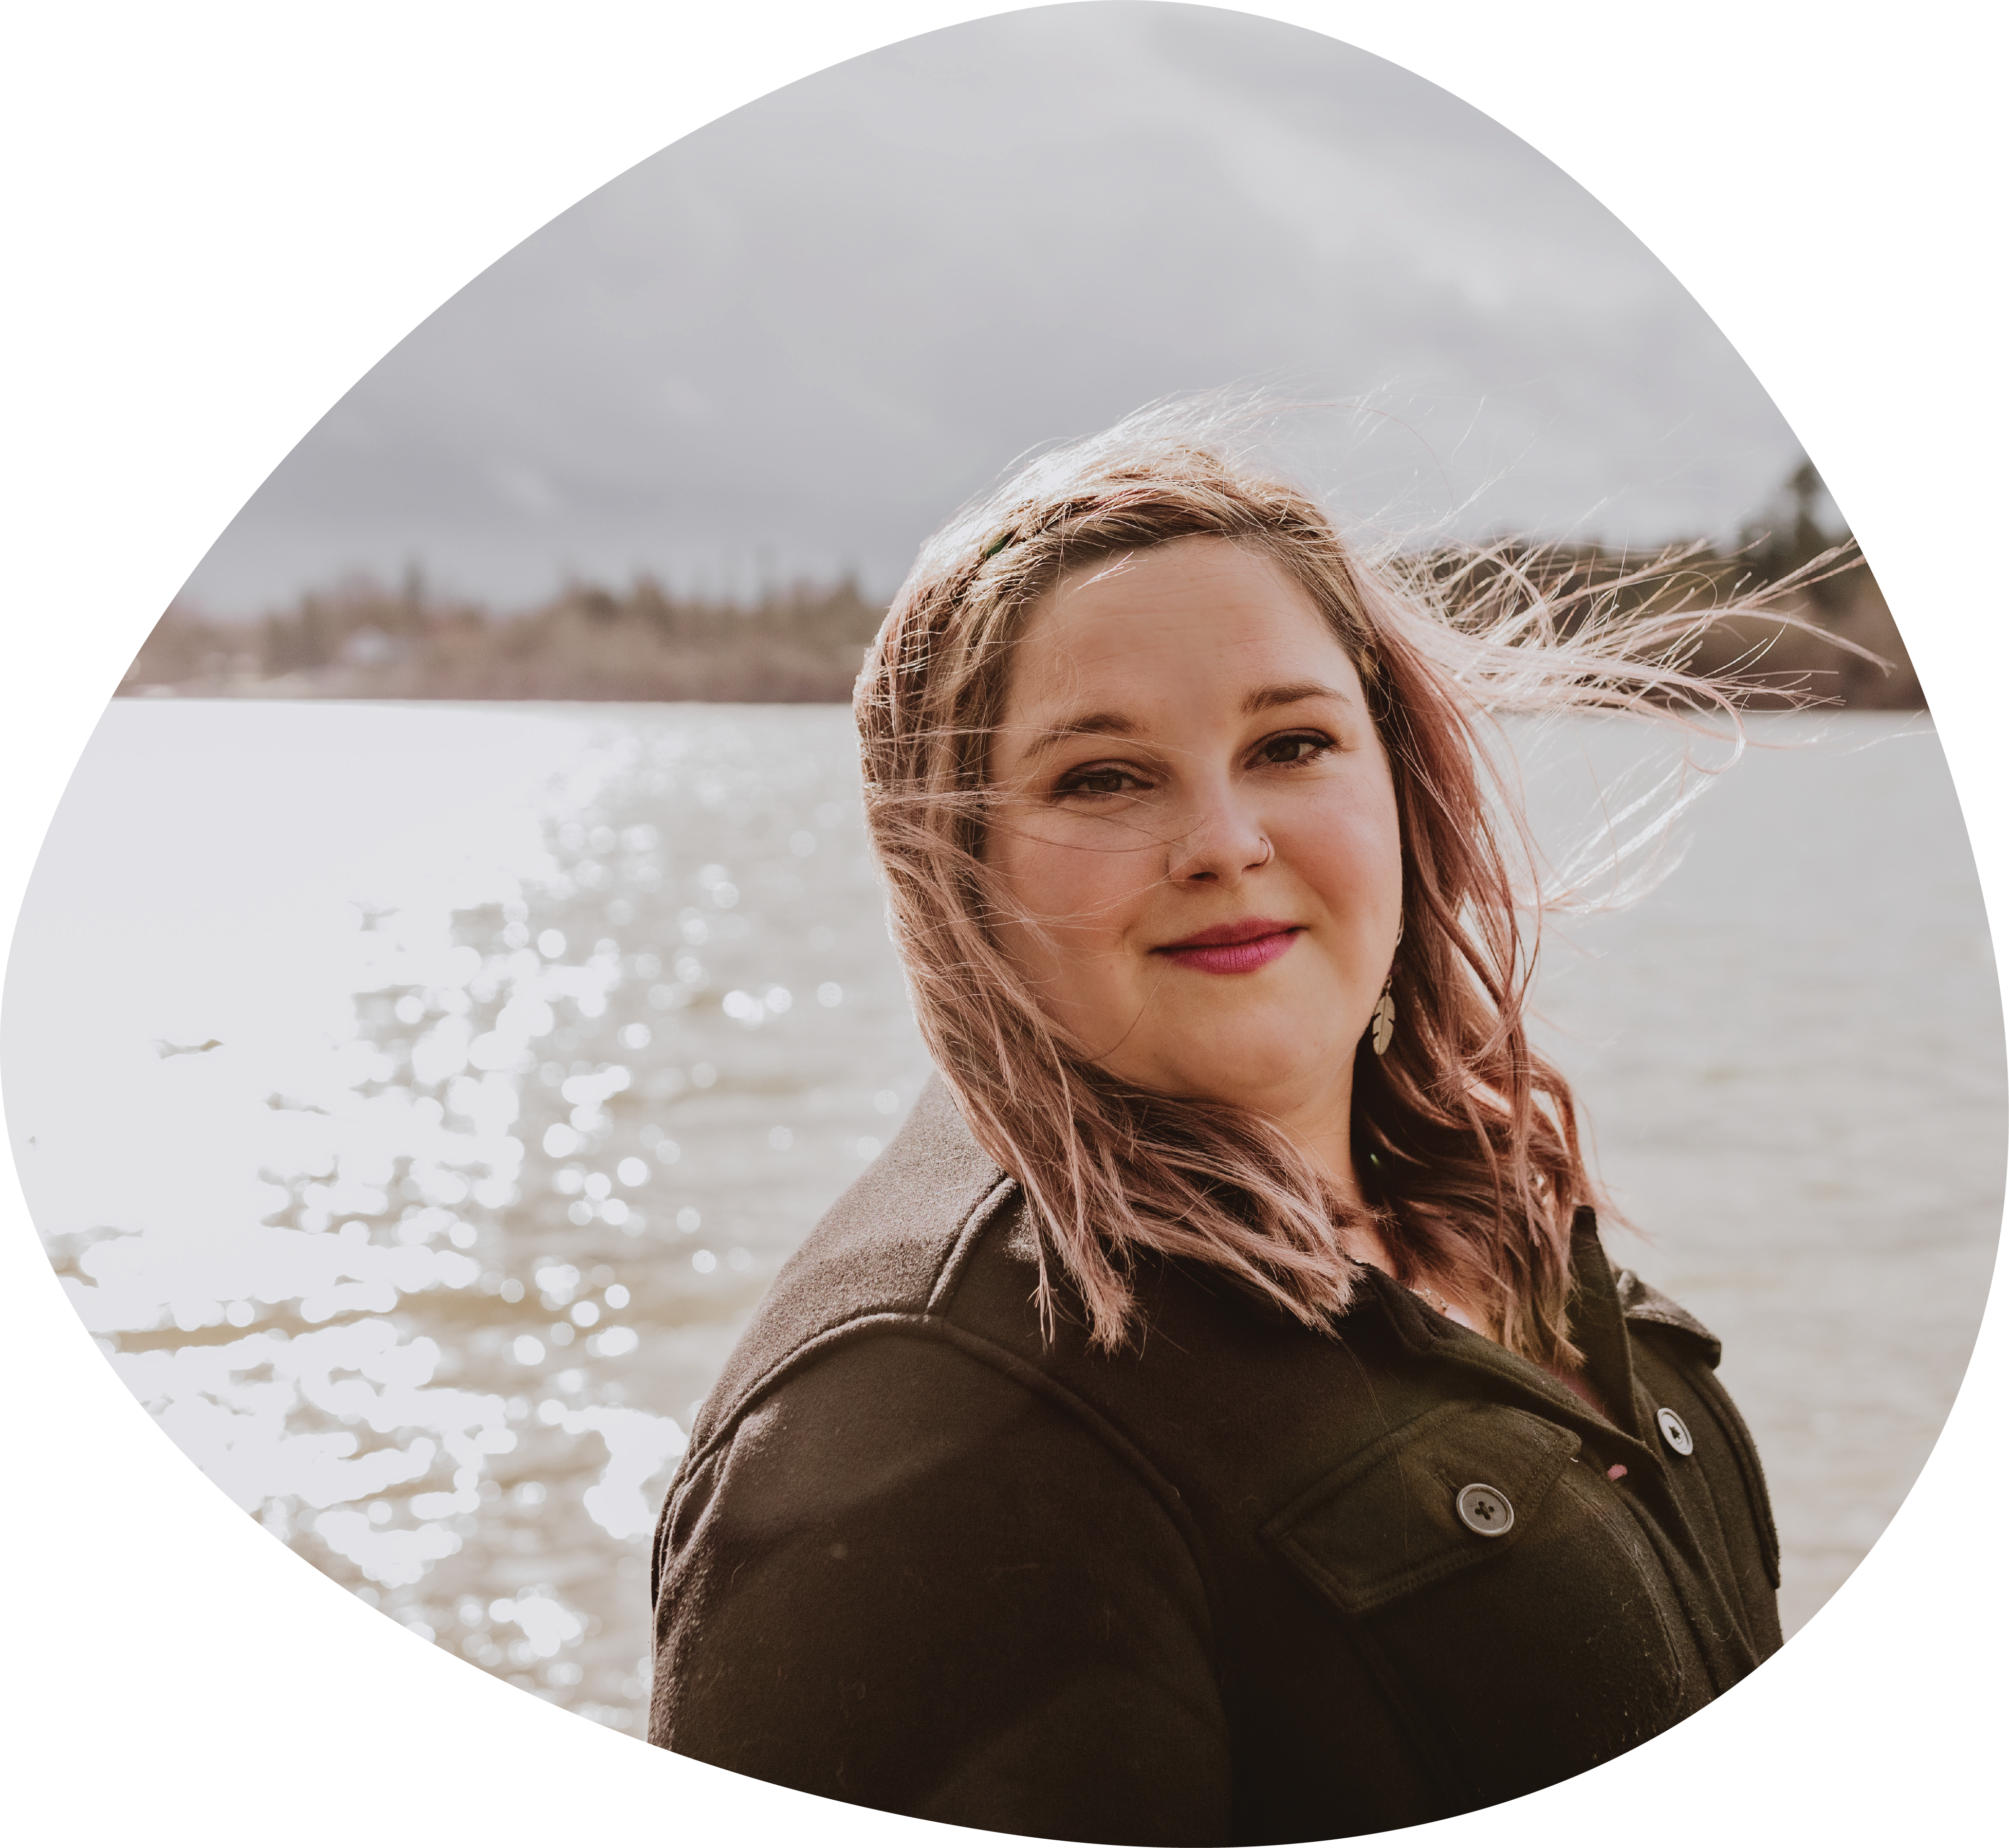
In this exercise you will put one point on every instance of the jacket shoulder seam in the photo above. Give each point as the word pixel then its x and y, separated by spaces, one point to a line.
pixel 963 1247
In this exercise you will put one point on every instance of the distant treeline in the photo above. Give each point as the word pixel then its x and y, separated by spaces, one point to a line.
pixel 1786 661
pixel 363 640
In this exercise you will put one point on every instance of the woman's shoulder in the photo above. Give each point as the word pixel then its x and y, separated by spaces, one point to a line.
pixel 903 1576
pixel 886 1251
pixel 906 1323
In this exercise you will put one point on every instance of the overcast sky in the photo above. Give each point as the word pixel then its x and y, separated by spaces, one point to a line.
pixel 790 344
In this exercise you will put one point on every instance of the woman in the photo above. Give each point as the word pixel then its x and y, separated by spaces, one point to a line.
pixel 1214 1419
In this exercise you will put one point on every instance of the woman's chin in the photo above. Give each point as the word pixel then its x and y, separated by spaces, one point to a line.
pixel 1271 1079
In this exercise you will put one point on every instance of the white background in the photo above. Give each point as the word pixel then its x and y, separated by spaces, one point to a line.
pixel 219 216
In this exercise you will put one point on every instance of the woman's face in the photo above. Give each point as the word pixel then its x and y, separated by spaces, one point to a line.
pixel 1197 837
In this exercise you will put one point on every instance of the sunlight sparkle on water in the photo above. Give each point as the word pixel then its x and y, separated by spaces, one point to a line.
pixel 438 1206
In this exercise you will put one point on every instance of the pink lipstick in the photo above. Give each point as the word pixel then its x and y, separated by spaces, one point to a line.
pixel 1233 949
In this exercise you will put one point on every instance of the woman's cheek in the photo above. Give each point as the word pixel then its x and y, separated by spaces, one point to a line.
pixel 1065 931
pixel 1082 880
pixel 1350 850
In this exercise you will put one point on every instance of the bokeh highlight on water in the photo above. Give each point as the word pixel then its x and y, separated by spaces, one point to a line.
pixel 506 1228
pixel 417 1100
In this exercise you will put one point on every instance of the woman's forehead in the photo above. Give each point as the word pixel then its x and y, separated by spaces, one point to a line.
pixel 1199 620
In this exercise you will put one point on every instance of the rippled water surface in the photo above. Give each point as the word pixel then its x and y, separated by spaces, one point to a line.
pixel 417 1099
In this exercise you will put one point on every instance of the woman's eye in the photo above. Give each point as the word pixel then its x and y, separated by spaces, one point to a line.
pixel 1103 780
pixel 1294 747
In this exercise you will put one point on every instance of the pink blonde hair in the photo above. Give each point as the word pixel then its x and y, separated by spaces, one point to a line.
pixel 1466 1138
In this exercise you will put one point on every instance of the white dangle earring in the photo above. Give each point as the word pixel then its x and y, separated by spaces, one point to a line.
pixel 1383 1027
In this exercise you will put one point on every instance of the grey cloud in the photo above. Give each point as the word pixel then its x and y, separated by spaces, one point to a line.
pixel 790 343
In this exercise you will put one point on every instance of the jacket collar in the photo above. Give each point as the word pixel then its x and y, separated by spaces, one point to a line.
pixel 1642 1303
pixel 1599 1315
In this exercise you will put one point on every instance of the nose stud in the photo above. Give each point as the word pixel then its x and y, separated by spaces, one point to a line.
pixel 1205 855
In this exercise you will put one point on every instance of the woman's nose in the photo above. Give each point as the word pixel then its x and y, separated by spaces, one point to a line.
pixel 1223 839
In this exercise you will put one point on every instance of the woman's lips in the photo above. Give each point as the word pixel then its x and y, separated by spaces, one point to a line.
pixel 1233 949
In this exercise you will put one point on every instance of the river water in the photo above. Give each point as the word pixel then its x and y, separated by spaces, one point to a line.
pixel 415 1100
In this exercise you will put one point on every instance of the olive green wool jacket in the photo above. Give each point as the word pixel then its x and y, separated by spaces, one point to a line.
pixel 1241 1583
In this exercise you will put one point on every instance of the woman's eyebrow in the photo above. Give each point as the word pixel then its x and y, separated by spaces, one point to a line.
pixel 1092 725
pixel 1289 694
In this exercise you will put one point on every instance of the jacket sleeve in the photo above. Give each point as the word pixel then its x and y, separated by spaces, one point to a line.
pixel 910 1581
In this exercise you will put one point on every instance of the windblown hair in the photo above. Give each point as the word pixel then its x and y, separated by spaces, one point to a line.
pixel 1466 1140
